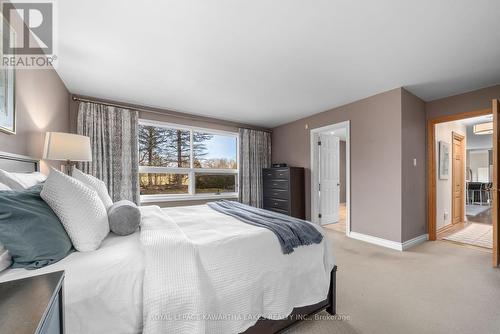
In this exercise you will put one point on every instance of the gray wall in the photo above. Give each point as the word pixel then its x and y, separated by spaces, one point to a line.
pixel 162 115
pixel 376 176
pixel 42 103
pixel 414 214
pixel 470 101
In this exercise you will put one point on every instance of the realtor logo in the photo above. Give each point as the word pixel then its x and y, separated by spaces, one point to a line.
pixel 36 31
pixel 28 31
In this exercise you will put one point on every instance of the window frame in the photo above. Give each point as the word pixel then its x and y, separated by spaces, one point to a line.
pixel 191 171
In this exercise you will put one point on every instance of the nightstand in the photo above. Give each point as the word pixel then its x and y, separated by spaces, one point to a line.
pixel 33 305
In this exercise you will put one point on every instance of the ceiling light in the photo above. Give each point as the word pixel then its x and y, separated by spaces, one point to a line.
pixel 483 128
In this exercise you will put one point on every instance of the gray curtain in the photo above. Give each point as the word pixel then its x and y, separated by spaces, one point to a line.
pixel 255 154
pixel 115 154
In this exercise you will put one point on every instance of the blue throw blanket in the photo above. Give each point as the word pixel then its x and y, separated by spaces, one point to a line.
pixel 291 232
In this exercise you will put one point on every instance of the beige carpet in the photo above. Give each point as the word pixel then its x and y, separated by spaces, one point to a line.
pixel 474 234
pixel 437 287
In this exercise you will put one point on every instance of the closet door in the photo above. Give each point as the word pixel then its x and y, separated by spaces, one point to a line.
pixel 329 179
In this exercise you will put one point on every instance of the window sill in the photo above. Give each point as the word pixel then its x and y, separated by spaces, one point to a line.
pixel 174 198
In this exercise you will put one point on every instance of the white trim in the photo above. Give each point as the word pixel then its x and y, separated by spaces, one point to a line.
pixel 180 170
pixel 389 243
pixel 415 241
pixel 187 197
pixel 341 125
pixel 192 178
pixel 148 122
pixel 377 241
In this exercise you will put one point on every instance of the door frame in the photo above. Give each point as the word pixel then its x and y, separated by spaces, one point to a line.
pixel 495 108
pixel 459 137
pixel 313 163
pixel 431 163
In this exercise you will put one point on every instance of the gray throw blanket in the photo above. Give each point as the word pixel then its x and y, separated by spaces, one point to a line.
pixel 291 232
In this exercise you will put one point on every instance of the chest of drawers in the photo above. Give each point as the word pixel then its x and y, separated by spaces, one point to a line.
pixel 284 190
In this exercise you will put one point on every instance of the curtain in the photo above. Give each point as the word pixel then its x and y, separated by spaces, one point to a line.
pixel 115 154
pixel 255 154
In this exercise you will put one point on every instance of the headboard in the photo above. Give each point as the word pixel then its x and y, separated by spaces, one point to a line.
pixel 18 163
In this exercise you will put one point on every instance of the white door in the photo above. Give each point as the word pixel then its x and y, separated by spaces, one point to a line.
pixel 329 179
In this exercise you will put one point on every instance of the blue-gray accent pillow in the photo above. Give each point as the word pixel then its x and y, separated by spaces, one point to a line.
pixel 30 230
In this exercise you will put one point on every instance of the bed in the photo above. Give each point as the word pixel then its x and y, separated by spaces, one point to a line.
pixel 108 285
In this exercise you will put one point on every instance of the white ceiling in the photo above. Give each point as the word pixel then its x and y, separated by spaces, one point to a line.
pixel 271 62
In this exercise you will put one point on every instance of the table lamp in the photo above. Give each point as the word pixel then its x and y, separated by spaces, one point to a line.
pixel 67 147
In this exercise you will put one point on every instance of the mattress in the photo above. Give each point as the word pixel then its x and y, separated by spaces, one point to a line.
pixel 102 289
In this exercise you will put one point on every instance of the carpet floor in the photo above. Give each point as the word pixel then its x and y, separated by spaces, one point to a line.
pixel 435 287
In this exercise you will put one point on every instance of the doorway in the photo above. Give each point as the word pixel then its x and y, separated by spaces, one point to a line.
pixel 468 172
pixel 330 176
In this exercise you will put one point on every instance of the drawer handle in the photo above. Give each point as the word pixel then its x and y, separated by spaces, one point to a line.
pixel 275 203
pixel 275 194
pixel 275 184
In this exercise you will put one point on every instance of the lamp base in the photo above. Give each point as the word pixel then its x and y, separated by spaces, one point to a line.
pixel 67 168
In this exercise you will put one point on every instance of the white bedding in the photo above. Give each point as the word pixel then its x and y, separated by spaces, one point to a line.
pixel 103 288
pixel 244 269
pixel 203 265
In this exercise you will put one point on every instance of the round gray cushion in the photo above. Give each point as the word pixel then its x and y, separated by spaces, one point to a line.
pixel 124 217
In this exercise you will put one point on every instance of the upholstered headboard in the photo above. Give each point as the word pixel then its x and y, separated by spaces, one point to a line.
pixel 18 163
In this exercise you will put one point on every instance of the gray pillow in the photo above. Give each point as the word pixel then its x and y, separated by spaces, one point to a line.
pixel 124 217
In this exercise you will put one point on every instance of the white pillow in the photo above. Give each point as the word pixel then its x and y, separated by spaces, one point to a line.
pixel 95 184
pixel 5 259
pixel 21 181
pixel 4 187
pixel 79 209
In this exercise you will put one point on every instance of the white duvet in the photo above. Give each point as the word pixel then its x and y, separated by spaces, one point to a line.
pixel 206 272
pixel 195 263
pixel 102 289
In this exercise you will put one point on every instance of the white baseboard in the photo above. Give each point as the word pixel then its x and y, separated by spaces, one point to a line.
pixel 415 241
pixel 377 241
pixel 389 243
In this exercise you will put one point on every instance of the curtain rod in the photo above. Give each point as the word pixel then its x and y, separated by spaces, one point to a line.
pixel 167 113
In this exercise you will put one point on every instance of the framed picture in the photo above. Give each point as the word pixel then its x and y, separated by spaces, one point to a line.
pixel 7 91
pixel 444 160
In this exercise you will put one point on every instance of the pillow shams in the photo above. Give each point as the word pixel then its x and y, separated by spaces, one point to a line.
pixel 95 184
pixel 21 181
pixel 79 208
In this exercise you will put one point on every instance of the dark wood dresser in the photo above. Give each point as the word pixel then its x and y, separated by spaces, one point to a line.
pixel 284 191
pixel 32 305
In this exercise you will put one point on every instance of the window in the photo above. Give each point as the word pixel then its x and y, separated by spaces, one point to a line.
pixel 178 162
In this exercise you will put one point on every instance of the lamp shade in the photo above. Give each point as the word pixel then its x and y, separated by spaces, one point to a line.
pixel 67 146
